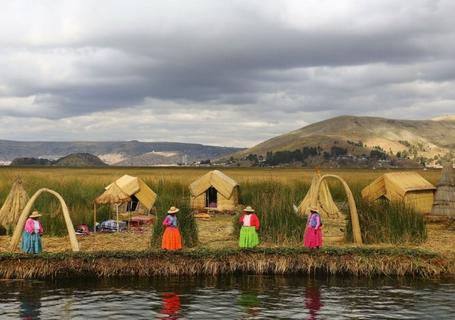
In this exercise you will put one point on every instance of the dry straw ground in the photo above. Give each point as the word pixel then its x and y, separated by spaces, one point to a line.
pixel 217 234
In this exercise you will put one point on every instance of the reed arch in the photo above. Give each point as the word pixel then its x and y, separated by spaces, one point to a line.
pixel 26 212
pixel 352 207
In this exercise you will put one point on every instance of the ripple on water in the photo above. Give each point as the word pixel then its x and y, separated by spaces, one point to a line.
pixel 247 297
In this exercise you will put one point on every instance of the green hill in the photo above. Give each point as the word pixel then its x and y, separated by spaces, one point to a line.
pixel 80 160
pixel 360 135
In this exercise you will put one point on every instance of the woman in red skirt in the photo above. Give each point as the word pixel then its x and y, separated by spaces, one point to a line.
pixel 313 232
pixel 172 240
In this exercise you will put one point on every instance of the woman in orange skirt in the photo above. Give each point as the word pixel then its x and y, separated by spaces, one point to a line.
pixel 172 240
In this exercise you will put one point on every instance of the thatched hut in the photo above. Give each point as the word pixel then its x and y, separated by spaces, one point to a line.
pixel 409 187
pixel 444 199
pixel 142 198
pixel 216 191
pixel 326 205
pixel 14 204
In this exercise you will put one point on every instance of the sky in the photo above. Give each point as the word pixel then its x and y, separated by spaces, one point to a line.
pixel 228 73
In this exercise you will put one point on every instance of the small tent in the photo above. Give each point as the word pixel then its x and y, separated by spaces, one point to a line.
pixel 444 199
pixel 14 204
pixel 409 187
pixel 142 198
pixel 216 191
pixel 326 205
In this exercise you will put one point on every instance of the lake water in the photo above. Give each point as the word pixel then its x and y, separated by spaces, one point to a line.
pixel 230 297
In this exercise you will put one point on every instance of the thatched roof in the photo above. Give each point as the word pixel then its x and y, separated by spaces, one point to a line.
pixel 326 205
pixel 221 182
pixel 395 185
pixel 447 177
pixel 444 198
pixel 133 186
pixel 113 195
pixel 14 204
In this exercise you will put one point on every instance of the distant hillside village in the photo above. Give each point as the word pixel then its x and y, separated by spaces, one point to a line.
pixel 341 157
pixel 354 154
pixel 350 141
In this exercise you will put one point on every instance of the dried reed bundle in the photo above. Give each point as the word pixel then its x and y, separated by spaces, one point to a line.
pixel 14 204
pixel 354 261
pixel 444 199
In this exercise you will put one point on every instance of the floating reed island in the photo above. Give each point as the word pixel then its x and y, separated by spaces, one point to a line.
pixel 357 261
pixel 211 246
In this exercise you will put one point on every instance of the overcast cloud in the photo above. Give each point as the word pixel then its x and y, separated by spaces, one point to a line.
pixel 218 72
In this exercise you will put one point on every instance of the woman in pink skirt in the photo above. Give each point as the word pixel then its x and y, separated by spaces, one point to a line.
pixel 313 232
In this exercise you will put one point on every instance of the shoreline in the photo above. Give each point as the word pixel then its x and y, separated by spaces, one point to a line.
pixel 354 261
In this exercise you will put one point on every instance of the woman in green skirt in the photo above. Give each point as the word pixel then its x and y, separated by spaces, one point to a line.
pixel 248 232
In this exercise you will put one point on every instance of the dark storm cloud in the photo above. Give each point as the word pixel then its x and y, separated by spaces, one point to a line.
pixel 270 65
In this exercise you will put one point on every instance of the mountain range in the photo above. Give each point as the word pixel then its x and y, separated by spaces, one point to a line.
pixel 342 137
pixel 133 153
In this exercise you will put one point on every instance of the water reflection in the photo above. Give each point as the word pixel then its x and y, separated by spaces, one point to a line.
pixel 229 297
pixel 313 301
pixel 171 305
pixel 250 302
pixel 30 302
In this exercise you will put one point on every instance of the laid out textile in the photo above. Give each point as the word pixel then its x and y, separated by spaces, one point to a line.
pixel 82 229
pixel 313 232
pixel 111 225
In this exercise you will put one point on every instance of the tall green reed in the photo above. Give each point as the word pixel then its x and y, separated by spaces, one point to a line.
pixel 174 194
pixel 273 203
pixel 388 222
pixel 77 193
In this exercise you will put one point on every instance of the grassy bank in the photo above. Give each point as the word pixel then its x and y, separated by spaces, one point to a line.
pixel 353 261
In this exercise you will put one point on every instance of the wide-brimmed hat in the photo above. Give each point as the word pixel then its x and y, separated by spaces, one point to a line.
pixel 173 210
pixel 248 209
pixel 35 214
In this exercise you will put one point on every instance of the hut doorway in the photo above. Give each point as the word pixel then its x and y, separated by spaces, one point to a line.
pixel 132 205
pixel 211 198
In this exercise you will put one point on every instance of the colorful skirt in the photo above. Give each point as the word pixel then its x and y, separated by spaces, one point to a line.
pixel 313 238
pixel 172 240
pixel 31 243
pixel 248 237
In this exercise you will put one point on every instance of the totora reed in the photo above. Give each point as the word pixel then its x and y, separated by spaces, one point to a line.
pixel 349 261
